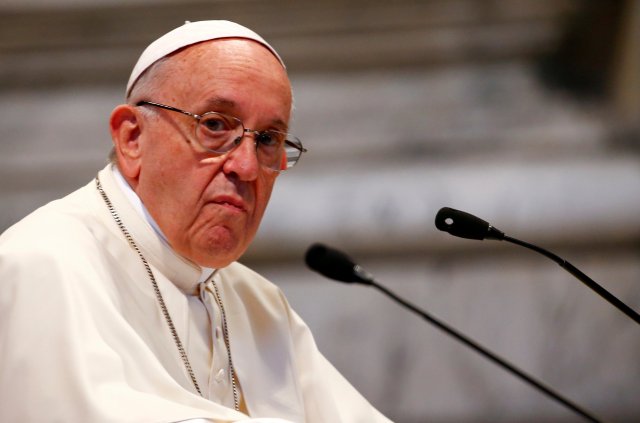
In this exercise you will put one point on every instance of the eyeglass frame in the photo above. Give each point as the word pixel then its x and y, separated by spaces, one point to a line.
pixel 295 143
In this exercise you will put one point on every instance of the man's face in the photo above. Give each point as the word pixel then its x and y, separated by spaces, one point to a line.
pixel 210 206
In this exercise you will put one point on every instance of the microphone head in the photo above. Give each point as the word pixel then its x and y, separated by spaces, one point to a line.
pixel 465 225
pixel 335 265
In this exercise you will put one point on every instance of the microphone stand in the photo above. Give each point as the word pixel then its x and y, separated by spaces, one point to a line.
pixel 486 353
pixel 465 225
pixel 612 299
pixel 336 265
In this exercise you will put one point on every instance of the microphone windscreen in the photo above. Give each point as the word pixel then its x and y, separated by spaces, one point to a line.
pixel 462 224
pixel 331 263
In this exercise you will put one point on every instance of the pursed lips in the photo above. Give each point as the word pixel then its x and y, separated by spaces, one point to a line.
pixel 232 202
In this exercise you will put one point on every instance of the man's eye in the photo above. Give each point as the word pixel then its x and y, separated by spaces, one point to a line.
pixel 268 139
pixel 215 124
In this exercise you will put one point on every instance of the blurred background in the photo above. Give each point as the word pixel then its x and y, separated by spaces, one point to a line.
pixel 524 112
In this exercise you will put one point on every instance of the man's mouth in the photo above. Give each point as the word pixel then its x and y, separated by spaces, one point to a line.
pixel 230 202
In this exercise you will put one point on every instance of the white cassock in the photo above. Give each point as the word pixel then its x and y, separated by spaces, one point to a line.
pixel 83 338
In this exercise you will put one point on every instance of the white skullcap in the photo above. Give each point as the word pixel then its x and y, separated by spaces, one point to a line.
pixel 191 33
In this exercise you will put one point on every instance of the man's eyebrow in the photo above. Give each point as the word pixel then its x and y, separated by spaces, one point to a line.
pixel 219 102
pixel 280 125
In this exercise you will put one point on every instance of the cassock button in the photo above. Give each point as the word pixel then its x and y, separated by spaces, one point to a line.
pixel 220 375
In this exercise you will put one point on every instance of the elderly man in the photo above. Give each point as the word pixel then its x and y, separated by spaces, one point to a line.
pixel 122 302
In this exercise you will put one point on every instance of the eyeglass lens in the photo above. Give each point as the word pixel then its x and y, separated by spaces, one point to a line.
pixel 222 133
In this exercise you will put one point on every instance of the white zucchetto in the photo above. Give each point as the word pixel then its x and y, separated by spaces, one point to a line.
pixel 188 34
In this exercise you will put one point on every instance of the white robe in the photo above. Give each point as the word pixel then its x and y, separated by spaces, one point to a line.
pixel 83 339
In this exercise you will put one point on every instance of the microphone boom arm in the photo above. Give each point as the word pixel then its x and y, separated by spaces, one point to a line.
pixel 486 353
pixel 598 289
pixel 465 225
pixel 338 266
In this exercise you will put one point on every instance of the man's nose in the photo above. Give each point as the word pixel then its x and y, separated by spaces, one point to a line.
pixel 243 160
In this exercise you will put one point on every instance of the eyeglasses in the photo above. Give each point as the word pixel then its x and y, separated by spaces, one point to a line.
pixel 219 133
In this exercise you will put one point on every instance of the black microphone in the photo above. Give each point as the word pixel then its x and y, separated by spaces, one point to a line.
pixel 338 266
pixel 466 225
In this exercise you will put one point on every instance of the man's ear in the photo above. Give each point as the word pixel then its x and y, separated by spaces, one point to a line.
pixel 126 130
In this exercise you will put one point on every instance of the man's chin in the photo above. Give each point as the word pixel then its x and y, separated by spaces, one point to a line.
pixel 216 247
pixel 218 253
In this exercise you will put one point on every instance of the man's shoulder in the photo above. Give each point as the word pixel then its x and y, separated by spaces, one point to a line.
pixel 55 228
pixel 66 245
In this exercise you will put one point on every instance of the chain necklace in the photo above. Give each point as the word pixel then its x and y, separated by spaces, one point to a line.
pixel 165 311
pixel 225 334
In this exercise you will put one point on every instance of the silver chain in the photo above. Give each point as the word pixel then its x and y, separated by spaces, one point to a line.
pixel 165 311
pixel 225 333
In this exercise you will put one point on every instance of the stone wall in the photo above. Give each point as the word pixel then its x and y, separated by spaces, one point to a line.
pixel 405 107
